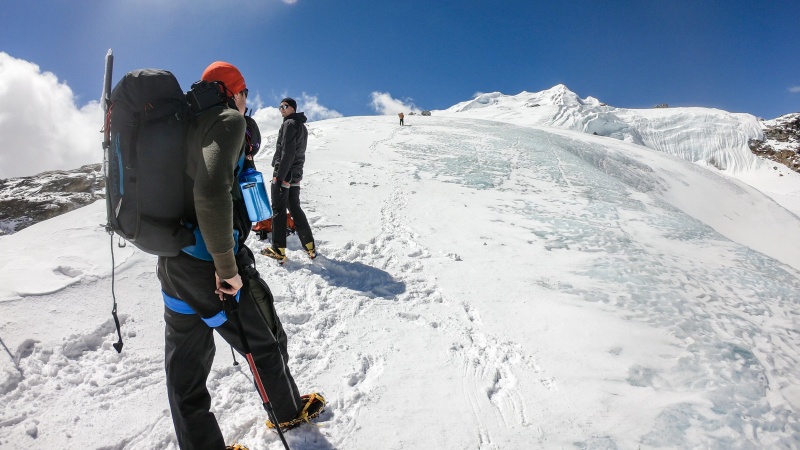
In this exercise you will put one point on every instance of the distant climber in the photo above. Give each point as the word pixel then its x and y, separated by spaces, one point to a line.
pixel 401 116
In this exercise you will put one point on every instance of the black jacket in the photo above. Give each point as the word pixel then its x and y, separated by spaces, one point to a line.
pixel 290 151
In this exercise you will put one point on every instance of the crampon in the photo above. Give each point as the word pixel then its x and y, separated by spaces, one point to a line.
pixel 314 405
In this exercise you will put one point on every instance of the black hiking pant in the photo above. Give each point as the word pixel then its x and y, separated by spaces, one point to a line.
pixel 189 346
pixel 283 199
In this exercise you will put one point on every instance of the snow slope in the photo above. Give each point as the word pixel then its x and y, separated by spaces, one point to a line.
pixel 708 137
pixel 481 285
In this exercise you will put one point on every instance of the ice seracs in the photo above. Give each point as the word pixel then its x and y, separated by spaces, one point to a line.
pixel 706 136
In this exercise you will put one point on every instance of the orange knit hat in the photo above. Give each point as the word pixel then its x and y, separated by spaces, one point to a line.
pixel 226 73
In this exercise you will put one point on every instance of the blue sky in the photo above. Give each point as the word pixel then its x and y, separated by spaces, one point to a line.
pixel 737 55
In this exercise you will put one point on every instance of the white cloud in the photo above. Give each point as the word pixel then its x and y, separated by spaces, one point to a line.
pixel 269 118
pixel 794 89
pixel 384 104
pixel 314 111
pixel 41 127
pixel 290 2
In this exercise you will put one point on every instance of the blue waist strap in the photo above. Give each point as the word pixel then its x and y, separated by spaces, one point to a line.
pixel 199 250
pixel 181 307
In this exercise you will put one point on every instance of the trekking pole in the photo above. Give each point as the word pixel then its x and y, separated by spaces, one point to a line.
pixel 232 311
pixel 235 362
pixel 105 102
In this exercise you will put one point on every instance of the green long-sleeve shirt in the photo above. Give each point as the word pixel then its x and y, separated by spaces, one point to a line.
pixel 215 143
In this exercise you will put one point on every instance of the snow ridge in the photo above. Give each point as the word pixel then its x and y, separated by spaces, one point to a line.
pixel 706 136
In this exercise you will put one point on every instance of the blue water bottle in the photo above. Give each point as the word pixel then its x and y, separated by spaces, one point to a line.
pixel 255 195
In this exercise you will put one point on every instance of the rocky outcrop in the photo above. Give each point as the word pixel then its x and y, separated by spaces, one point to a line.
pixel 25 201
pixel 781 141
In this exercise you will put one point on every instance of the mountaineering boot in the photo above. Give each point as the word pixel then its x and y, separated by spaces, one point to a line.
pixel 313 406
pixel 275 253
pixel 311 249
pixel 236 447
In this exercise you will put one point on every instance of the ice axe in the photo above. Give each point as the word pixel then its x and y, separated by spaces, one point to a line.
pixel 231 307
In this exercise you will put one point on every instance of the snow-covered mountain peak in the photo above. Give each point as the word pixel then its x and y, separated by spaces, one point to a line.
pixel 706 136
pixel 558 95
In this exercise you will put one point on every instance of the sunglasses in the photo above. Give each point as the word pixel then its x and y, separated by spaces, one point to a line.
pixel 244 92
pixel 282 107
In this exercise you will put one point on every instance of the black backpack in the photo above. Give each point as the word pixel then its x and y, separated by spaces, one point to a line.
pixel 148 119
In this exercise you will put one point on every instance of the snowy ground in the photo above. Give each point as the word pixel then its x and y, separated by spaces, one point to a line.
pixel 480 285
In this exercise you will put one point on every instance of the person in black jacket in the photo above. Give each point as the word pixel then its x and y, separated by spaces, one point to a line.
pixel 290 155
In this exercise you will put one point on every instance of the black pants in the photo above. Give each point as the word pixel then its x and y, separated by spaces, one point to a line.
pixel 282 199
pixel 189 346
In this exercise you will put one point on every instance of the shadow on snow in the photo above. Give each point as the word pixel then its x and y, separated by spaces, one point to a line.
pixel 357 276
